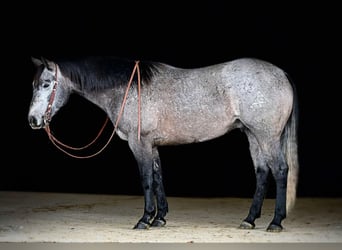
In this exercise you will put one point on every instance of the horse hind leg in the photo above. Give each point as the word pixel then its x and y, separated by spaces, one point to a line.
pixel 268 156
pixel 262 173
pixel 158 188
pixel 279 170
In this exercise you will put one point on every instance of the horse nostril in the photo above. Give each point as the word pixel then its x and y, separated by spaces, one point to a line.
pixel 33 121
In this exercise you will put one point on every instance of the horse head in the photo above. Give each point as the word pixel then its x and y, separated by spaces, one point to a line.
pixel 49 93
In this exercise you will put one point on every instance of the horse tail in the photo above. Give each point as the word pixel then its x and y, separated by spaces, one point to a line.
pixel 289 147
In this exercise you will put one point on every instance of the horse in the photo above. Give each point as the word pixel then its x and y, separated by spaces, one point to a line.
pixel 154 104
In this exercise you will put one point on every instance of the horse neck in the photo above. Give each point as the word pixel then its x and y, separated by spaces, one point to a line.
pixel 108 100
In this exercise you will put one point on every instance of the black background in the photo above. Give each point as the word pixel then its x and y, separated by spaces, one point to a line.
pixel 301 40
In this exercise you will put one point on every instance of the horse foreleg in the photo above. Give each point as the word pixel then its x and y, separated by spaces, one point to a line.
pixel 158 188
pixel 255 209
pixel 144 158
pixel 146 176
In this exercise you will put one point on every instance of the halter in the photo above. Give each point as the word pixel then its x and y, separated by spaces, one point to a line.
pixel 59 144
pixel 47 115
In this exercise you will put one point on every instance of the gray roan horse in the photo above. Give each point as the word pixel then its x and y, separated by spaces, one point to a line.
pixel 181 106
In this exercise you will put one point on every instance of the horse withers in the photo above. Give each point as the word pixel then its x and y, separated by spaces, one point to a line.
pixel 167 105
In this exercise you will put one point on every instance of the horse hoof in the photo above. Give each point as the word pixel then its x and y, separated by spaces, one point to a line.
pixel 274 228
pixel 142 225
pixel 160 222
pixel 246 225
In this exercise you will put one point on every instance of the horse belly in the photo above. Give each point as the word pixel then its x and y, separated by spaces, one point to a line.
pixel 192 128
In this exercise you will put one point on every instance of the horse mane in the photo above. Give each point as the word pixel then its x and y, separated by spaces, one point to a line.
pixel 97 73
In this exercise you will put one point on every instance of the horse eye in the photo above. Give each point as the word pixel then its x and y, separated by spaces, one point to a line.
pixel 46 85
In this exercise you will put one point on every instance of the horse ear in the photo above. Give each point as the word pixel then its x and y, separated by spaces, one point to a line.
pixel 48 64
pixel 37 62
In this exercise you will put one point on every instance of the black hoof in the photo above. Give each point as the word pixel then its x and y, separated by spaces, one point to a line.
pixel 246 225
pixel 142 225
pixel 274 228
pixel 160 222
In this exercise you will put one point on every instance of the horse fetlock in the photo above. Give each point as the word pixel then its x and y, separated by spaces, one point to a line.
pixel 145 221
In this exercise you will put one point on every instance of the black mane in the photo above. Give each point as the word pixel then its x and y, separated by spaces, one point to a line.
pixel 102 72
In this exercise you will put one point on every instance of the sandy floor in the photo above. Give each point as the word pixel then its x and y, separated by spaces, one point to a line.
pixel 54 217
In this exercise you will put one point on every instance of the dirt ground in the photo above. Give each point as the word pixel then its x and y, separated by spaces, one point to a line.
pixel 85 218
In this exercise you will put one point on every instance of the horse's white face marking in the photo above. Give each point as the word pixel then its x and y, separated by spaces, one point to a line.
pixel 42 90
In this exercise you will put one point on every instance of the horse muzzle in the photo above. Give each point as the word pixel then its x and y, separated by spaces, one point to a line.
pixel 37 123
